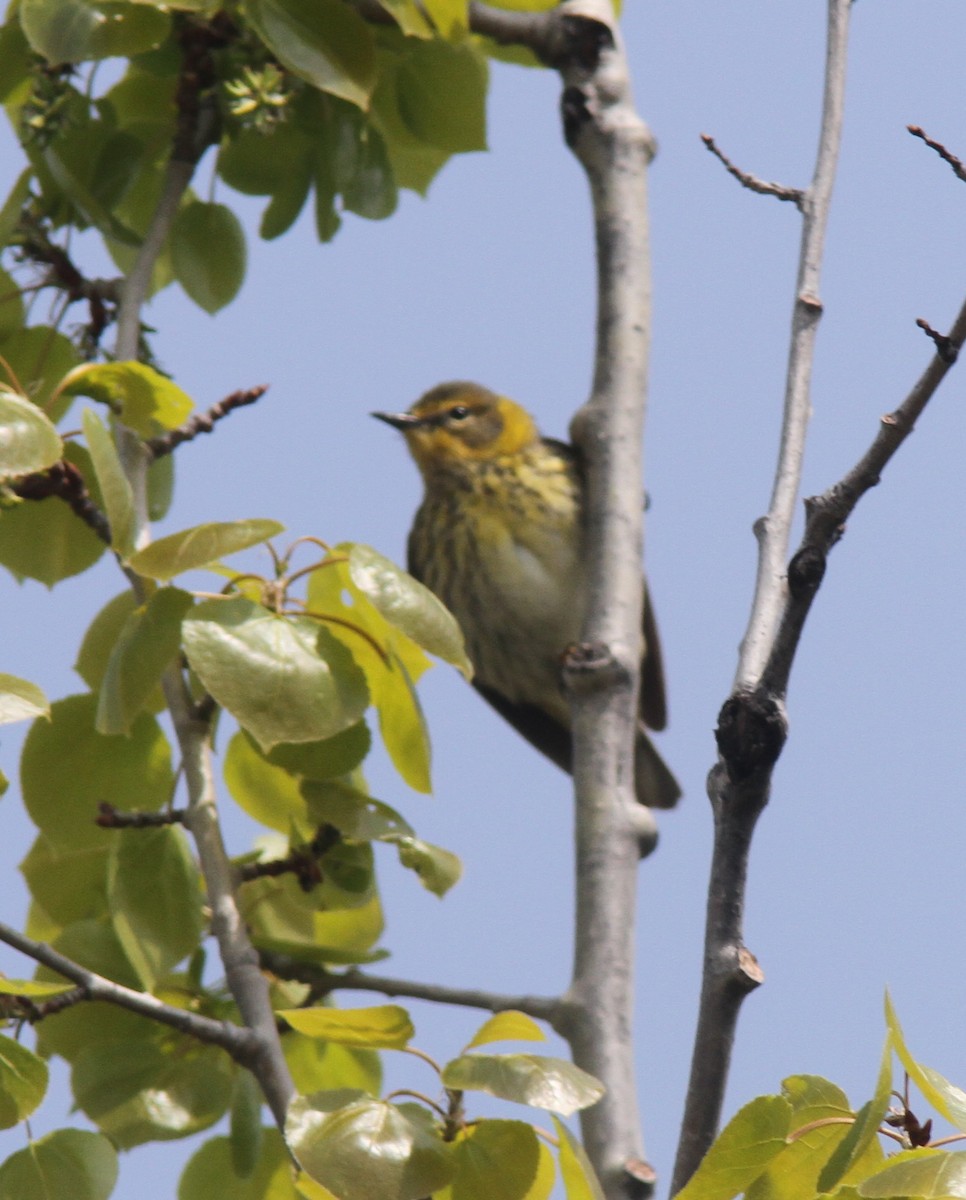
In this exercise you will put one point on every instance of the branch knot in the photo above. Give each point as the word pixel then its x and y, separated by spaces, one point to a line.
pixel 751 733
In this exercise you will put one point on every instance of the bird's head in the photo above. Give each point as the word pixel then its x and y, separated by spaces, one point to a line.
pixel 458 424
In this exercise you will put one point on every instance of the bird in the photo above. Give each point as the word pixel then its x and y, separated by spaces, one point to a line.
pixel 498 538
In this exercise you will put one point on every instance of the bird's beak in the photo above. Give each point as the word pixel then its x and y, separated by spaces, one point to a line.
pixel 401 421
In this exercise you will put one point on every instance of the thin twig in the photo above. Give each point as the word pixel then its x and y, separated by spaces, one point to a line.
pixel 752 182
pixel 959 168
pixel 752 729
pixel 323 982
pixel 67 483
pixel 203 422
pixel 109 817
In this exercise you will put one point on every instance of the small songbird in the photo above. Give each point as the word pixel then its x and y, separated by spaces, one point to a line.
pixel 499 538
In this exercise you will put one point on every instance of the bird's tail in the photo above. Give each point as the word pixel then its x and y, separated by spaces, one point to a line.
pixel 653 782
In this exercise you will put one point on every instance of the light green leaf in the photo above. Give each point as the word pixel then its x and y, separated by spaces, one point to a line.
pixel 269 794
pixel 860 1148
pixel 39 357
pixel 115 488
pixel 509 1026
pixel 366 1149
pixel 67 769
pixel 68 884
pixel 326 43
pixel 409 17
pixel 10 212
pixel 541 1082
pixel 23 1081
pixel 140 396
pixel 67 31
pixel 102 633
pixel 384 1027
pixel 407 604
pixel 927 1173
pixel 12 310
pixel 753 1137
pixel 208 253
pixel 20 700
pixel 942 1095
pixel 450 16
pixel 212 1174
pixel 146 645
pixel 498 1160
pixel 355 814
pixel 28 441
pixel 45 539
pixel 580 1182
pixel 285 680
pixel 67 1162
pixel 316 1065
pixel 34 989
pixel 154 897
pixel 442 95
pixel 326 759
pixel 438 869
pixel 199 546
pixel 245 1125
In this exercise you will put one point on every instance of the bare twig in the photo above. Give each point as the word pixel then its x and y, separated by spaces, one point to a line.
pixel 752 182
pixel 204 422
pixel 302 861
pixel 65 481
pixel 109 817
pixel 959 168
pixel 323 981
pixel 751 730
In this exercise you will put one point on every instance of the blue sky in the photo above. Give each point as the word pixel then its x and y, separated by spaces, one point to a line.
pixel 856 868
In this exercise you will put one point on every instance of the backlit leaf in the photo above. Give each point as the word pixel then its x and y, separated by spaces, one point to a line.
pixel 67 1162
pixel 23 1082
pixel 944 1096
pixel 141 396
pixel 20 700
pixel 200 545
pixel 580 1182
pixel 385 1027
pixel 442 95
pixel 510 1026
pixel 753 1137
pixel 542 1082
pixel 28 441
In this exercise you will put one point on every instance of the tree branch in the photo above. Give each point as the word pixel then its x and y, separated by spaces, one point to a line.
pixel 752 182
pixel 203 422
pixel 323 982
pixel 752 726
pixel 234 1039
pixel 614 147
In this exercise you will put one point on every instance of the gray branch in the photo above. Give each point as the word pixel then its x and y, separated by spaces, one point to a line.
pixel 234 1039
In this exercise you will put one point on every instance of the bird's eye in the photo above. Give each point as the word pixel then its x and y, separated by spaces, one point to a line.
pixel 459 412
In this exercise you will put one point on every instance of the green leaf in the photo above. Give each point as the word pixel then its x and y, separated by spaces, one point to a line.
pixel 442 95
pixel 316 1065
pixel 114 485
pixel 32 988
pixel 67 769
pixel 269 794
pixel 753 1137
pixel 281 917
pixel 154 1087
pixel 67 1162
pixel 541 1082
pixel 20 700
pixel 438 869
pixel 928 1173
pixel 66 31
pixel 942 1095
pixel 212 1173
pixel 10 212
pixel 327 759
pixel 409 17
pixel 580 1182
pixel 498 1160
pixel 450 16
pixel 326 42
pixel 102 633
pixel 28 441
pixel 509 1026
pixel 138 394
pixel 39 357
pixel 68 884
pixel 208 253
pixel 245 1125
pixel 160 487
pixel 199 546
pixel 384 1027
pixel 860 1147
pixel 366 1149
pixel 285 680
pixel 355 814
pixel 23 1081
pixel 407 604
pixel 45 539
pixel 154 896
pixel 146 645
pixel 371 192
pixel 86 202
pixel 12 310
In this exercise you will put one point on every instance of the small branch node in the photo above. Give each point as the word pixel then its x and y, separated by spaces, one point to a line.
pixel 591 667
pixel 959 168
pixel 65 481
pixel 751 733
pixel 793 195
pixel 750 973
pixel 574 113
pixel 806 571
pixel 109 817
pixel 583 40
pixel 639 1179
pixel 811 303
pixel 946 348
pixel 302 862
